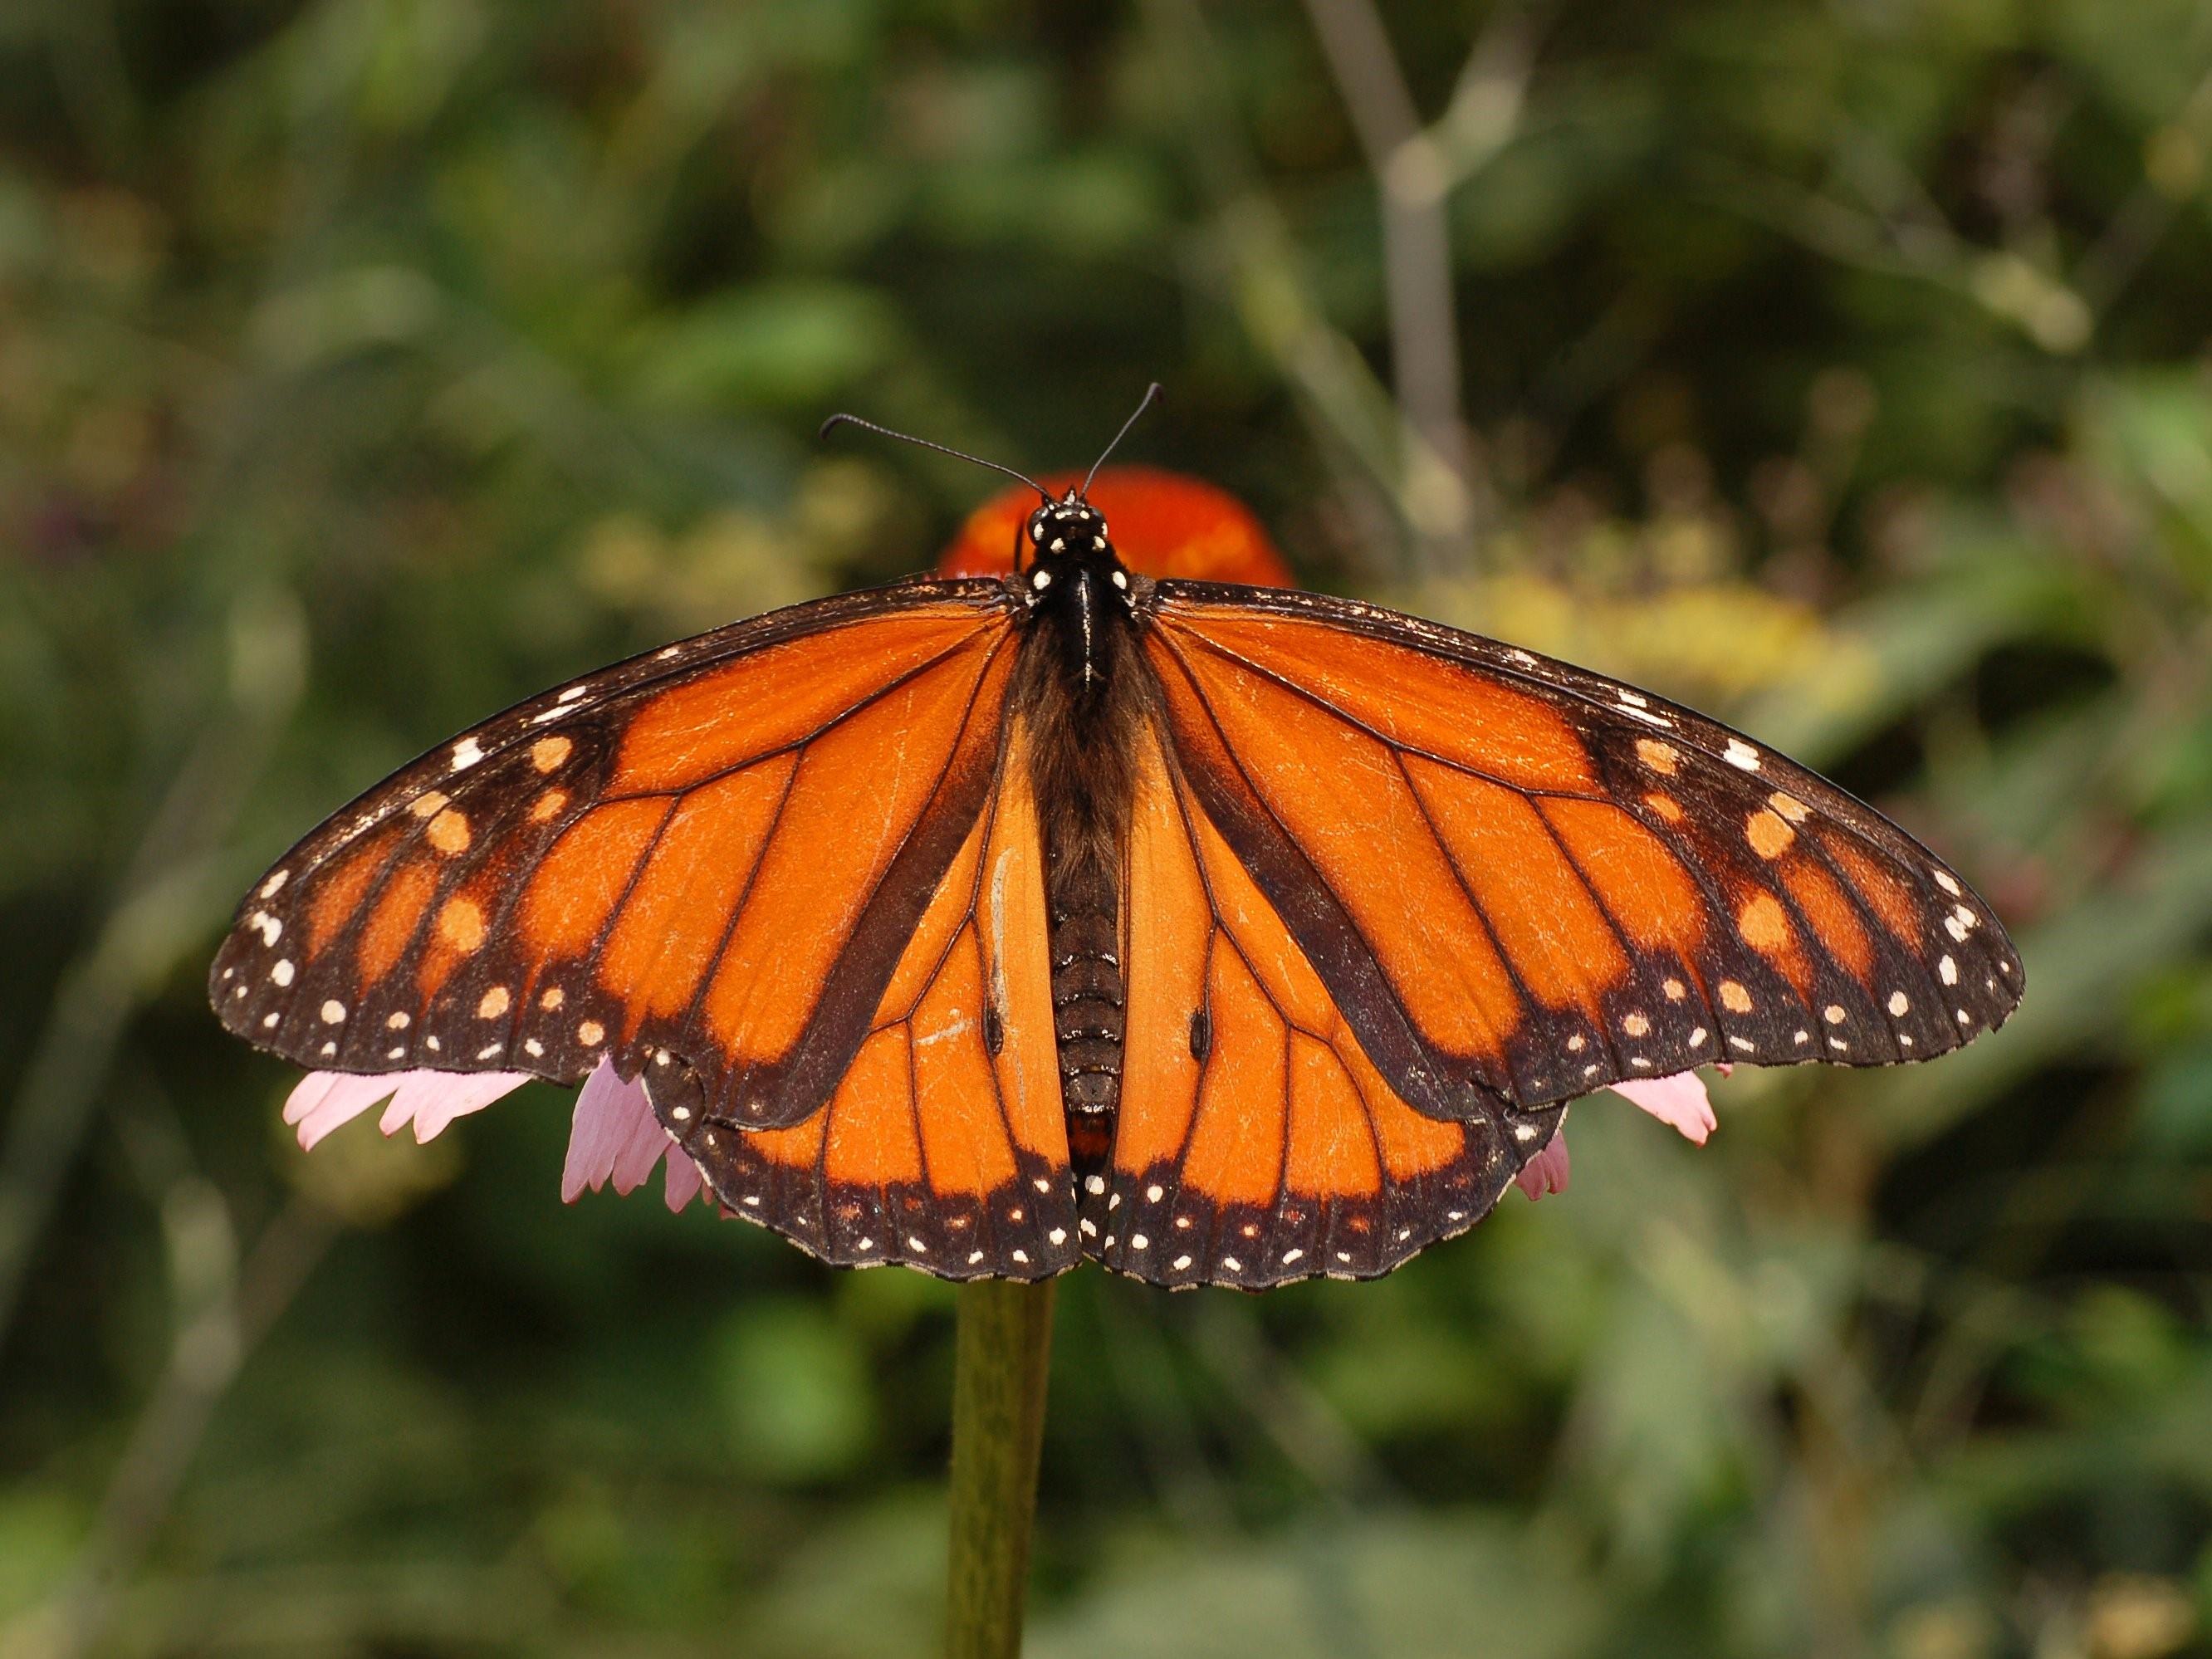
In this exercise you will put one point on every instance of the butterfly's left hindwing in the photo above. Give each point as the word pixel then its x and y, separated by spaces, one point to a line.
pixel 718 850
pixel 944 1146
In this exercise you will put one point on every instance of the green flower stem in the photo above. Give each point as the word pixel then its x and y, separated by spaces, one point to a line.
pixel 1001 1366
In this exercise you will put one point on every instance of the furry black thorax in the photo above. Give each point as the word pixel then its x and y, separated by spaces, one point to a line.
pixel 1083 687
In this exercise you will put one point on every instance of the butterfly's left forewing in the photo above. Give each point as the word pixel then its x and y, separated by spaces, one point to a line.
pixel 717 852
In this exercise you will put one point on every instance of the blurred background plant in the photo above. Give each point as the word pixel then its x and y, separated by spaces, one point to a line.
pixel 1842 368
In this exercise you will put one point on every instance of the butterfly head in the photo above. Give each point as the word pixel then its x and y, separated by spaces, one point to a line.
pixel 1068 528
pixel 1076 586
pixel 1069 541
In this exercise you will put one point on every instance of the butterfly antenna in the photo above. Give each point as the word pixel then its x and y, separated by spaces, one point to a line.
pixel 924 443
pixel 1152 396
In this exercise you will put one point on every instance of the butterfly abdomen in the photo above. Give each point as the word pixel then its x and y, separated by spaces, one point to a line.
pixel 1085 905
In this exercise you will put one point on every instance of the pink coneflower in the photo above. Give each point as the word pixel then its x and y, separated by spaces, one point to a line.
pixel 615 1138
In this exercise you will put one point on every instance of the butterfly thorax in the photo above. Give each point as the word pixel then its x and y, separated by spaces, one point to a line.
pixel 1082 698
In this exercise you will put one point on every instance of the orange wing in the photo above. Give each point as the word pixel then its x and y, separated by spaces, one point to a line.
pixel 1257 1143
pixel 944 1147
pixel 719 851
pixel 1521 880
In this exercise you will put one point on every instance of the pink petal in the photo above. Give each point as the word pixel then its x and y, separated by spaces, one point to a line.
pixel 1546 1172
pixel 322 1101
pixel 308 1092
pixel 613 1136
pixel 431 1100
pixel 684 1181
pixel 1678 1100
pixel 640 1152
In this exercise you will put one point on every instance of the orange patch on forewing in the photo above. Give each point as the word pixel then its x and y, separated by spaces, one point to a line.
pixel 341 891
pixel 872 1134
pixel 1544 918
pixel 1235 1150
pixel 1789 806
pixel 1769 838
pixel 547 753
pixel 547 806
pixel 1410 698
pixel 679 907
pixel 568 900
pixel 1332 1145
pixel 461 924
pixel 1644 886
pixel 1828 910
pixel 773 698
pixel 849 810
pixel 1890 898
pixel 963 1138
pixel 1669 809
pixel 459 928
pixel 1765 926
pixel 1370 844
pixel 392 924
pixel 449 832
pixel 1735 998
pixel 1659 756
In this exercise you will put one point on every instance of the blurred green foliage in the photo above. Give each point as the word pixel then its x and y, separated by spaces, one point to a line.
pixel 1841 368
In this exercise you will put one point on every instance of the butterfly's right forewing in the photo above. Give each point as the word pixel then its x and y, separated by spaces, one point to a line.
pixel 1528 881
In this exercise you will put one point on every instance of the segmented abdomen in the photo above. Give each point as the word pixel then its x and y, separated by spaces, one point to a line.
pixel 1087 999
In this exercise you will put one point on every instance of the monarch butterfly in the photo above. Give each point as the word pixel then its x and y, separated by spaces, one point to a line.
pixel 1221 934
